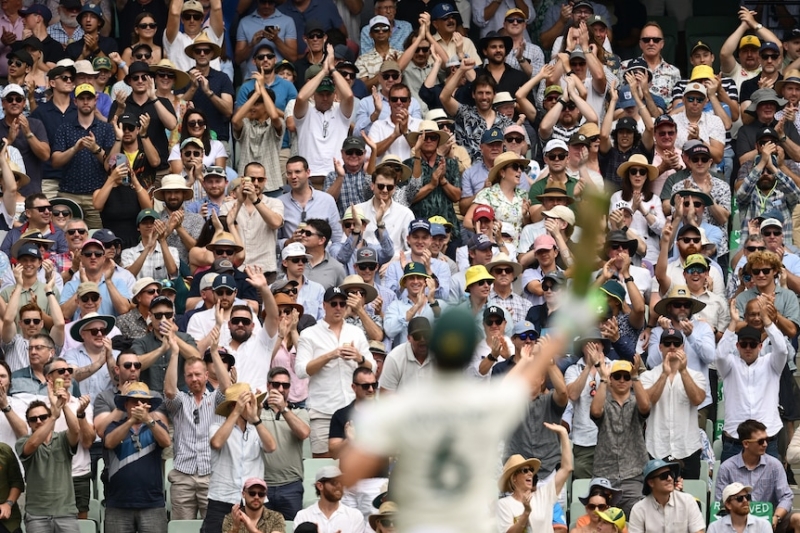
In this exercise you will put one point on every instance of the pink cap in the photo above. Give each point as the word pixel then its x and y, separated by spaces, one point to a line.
pixel 483 211
pixel 87 242
pixel 544 242
pixel 515 128
pixel 250 482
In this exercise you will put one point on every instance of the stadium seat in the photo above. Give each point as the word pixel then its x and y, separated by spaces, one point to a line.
pixel 184 526
pixel 714 477
pixel 710 430
pixel 717 447
pixel 307 449
pixel 87 526
pixel 669 27
pixel 579 488
pixel 98 490
pixel 698 489
pixel 310 468
pixel 96 512
pixel 289 527
pixel 576 510
pixel 167 469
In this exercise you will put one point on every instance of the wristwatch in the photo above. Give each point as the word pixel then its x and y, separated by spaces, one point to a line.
pixel 491 358
pixel 629 279
pixel 151 423
pixel 6 409
pixel 524 60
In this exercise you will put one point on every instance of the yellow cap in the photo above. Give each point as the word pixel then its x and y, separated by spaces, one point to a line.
pixel 749 40
pixel 84 88
pixel 621 365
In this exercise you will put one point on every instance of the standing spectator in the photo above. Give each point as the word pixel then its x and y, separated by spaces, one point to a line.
pixel 265 25
pixel 129 19
pixel 12 27
pixel 322 267
pixel 133 324
pixel 120 201
pixel 399 29
pixel 349 182
pixel 183 228
pixel 30 317
pixel 190 15
pixel 695 123
pixel 390 134
pixel 326 353
pixel 447 19
pixel 289 425
pixel 254 515
pixel 621 454
pixel 665 76
pixel 92 44
pixel 143 157
pixel 322 129
pixel 143 100
pixel 153 257
pixel 47 456
pixel 237 448
pixel 505 271
pixel 386 217
pixel 12 485
pixel 211 91
pixel 748 47
pixel 29 136
pixel 523 55
pixel 66 30
pixel 369 63
pixel 371 110
pixel 303 199
pixel 674 392
pixel 51 50
pixel 663 506
pixel 93 357
pixel 320 13
pixel 135 446
pixel 82 148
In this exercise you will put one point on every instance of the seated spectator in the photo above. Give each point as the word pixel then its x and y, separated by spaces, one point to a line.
pixel 322 267
pixel 254 515
pixel 534 500
pixel 328 508
pixel 185 24
pixel 214 183
pixel 195 126
pixel 387 218
pixel 31 320
pixel 765 103
pixel 93 358
pixel 761 471
pixel 681 511
pixel 600 498
pixel 152 257
pixel 409 362
pixel 183 227
pixel 494 346
pixel 133 324
pixel 736 499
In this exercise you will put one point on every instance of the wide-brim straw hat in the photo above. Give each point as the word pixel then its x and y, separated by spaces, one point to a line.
pixel 173 182
pixel 502 161
pixel 637 160
pixel 514 463
pixel 203 39
pixel 678 293
pixel 354 281
pixel 182 79
pixel 232 396
pixel 427 126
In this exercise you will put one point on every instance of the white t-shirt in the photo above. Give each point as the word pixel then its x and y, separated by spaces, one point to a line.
pixel 320 136
pixel 541 517
pixel 175 50
pixel 209 159
pixel 442 431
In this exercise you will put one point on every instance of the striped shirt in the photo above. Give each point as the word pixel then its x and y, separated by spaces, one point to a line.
pixel 192 423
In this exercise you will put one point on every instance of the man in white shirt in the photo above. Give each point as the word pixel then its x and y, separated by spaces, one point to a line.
pixel 327 354
pixel 674 391
pixel 383 213
pixel 408 363
pixel 191 14
pixel 329 513
pixel 750 363
pixel 663 507
pixel 736 499
pixel 390 133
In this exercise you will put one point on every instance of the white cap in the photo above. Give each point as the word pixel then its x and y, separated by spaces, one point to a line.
pixel 379 20
pixel 764 224
pixel 85 67
pixel 552 144
pixel 561 212
pixel 454 61
pixel 12 88
pixel 733 489
pixel 622 204
pixel 507 228
pixel 695 87
pixel 208 280
pixel 294 249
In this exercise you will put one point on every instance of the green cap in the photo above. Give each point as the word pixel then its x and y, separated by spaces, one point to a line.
pixel 146 213
pixel 454 339
pixel 101 62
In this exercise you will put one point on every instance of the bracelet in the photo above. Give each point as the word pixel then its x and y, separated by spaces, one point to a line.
pixel 256 423
pixel 29 135
pixel 143 136
pixel 122 64
pixel 81 416
pixel 99 149
pixel 50 293
pixel 629 279
pixel 258 201
pixel 6 409
pixel 603 380
pixel 118 140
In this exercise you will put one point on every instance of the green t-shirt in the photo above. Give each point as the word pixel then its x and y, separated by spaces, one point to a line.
pixel 48 473
pixel 10 477
pixel 538 188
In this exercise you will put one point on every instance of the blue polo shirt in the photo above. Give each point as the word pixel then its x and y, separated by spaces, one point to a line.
pixel 322 11
pixel 254 23
pixel 106 306
pixel 84 173
pixel 284 92
pixel 52 118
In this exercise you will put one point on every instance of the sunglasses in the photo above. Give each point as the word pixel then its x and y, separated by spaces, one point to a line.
pixel 225 251
pixel 44 208
pixel 695 270
pixel 517 167
pixel 165 314
pixel 62 371
pixel 358 292
pixel 93 254
pixel 202 51
pixel 354 151
pixel 309 233
pixel 696 204
pixel 621 376
pixel 147 25
pixel 760 442
pixel 380 29
pixel 596 506
pixel 126 127
pixel 773 233
pixel 257 493
pixel 557 157
pixel 14 99
pixel 316 35
pixel 515 140
pixel 367 266
pixel 695 99
pixel 349 74
pixel 76 231
pixel 241 321
pixel 666 133
pixel 515 20
pixel 423 49
pixel 192 16
pixel 15 63
pixel 286 310
pixel 649 40
pixel 279 385
pixel 741 498
pixel 86 298
pixel 385 187
pixel 95 332
pixel 40 418
pixel 431 137
pixel 700 159
pixel 524 470
pixel 755 248
pixel 681 305
pixel 338 303
pixel 482 282
pixel 196 123
pixel 420 336
pixel 192 153
pixel 663 476
pixel 618 246
pixel 169 75
pixel 528 336
pixel 293 290
pixel 401 99
pixel 637 171
pixel 29 321
pixel 570 106
pixel 672 344
pixel 748 344
pixel 761 271
pixel 502 270
pixel 386 522
pixel 67 79
pixel 297 260
pixel 139 77
pixel 390 75
pixel 690 240
pixel 494 322
pixel 143 55
pixel 224 292
pixel 367 386
pixel 770 57
pixel 262 57
pixel 131 364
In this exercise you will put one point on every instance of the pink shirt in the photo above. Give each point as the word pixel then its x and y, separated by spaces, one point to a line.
pixel 14 27
pixel 285 358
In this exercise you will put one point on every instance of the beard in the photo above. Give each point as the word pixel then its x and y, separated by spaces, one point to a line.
pixel 240 335
pixel 69 21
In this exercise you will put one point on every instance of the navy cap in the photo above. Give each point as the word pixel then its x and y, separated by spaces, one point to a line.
pixel 671 334
pixel 106 236
pixel 334 292
pixel 444 10
pixel 161 300
pixel 37 9
pixel 479 241
pixel 663 119
pixel 29 249
pixel 769 45
pixel 492 135
pixel 224 281
pixel 419 224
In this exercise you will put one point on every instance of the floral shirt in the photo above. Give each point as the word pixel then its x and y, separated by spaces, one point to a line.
pixel 665 76
pixel 470 126
pixel 437 202
pixel 504 210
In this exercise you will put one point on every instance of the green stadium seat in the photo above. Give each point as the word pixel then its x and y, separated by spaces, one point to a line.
pixel 184 526
pixel 669 26
pixel 698 489
pixel 289 527
pixel 310 468
pixel 87 526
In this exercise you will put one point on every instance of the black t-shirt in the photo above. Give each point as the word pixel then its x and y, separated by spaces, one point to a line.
pixel 339 419
pixel 750 86
pixel 119 215
pixel 53 51
pixel 156 131
pixel 105 44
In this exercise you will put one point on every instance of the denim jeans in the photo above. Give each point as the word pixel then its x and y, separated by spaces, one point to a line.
pixel 286 499
pixel 215 514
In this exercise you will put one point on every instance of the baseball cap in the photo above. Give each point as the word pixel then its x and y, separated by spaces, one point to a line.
pixel 493 310
pixel 129 119
pixel 294 249
pixel 695 87
pixel 769 45
pixel 87 287
pixel 553 89
pixel 555 144
pixel 578 139
pixel 734 489
pixel 327 472
pixel 29 249
pixel 662 120
pixel 84 88
pixel 748 332
pixel 390 65
pixel 749 40
pixel 671 334
pixel 561 212
pixel 620 365
pixel 366 256
pixel 437 230
pixel 700 45
pixel 419 224
pixel 161 300
pixel 544 242
pixel 222 265
pixel 492 135
pixel 443 10
pixel 106 236
pixel 479 241
pixel 333 292
pixel 37 9
pixel 379 20
pixel 93 242
pixel 695 259
pixel 354 142
pixel 223 281
pixel 12 88
pixel 698 149
pixel 417 324
pixel 525 327
pixel 767 132
pixel 192 5
pixel 146 213
pixel 483 211
pixel 254 482
pixel 208 280
pixel 626 123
